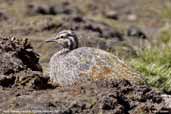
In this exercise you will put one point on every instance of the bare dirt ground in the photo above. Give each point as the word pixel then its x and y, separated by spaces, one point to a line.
pixel 108 25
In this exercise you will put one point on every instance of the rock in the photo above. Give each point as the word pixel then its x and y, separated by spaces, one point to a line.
pixel 17 55
pixel 64 8
pixel 136 32
pixel 112 15
pixel 107 97
pixel 7 81
pixel 10 64
pixel 3 16
pixel 31 79
pixel 102 30
pixel 34 9
pixel 132 17
pixel 79 23
pixel 19 64
pixel 29 58
pixel 167 99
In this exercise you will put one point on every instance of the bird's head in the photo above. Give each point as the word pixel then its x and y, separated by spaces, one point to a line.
pixel 67 38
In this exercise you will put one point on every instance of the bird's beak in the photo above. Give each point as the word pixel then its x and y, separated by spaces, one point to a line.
pixel 51 40
pixel 57 40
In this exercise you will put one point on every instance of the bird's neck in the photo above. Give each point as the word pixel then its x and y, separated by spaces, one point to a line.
pixel 71 43
pixel 63 51
pixel 59 54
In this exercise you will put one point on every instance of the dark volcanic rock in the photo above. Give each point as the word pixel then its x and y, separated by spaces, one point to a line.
pixel 7 81
pixel 107 97
pixel 31 79
pixel 63 8
pixel 19 64
pixel 111 15
pixel 38 9
pixel 102 30
pixel 3 16
pixel 17 55
pixel 136 32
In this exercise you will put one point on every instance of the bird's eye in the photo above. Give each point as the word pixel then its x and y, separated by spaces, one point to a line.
pixel 62 36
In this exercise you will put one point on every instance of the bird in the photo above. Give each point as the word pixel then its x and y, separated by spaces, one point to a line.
pixel 73 64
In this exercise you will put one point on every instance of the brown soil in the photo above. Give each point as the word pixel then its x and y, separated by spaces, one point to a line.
pixel 108 97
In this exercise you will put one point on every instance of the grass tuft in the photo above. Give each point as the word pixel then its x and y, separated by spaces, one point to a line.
pixel 154 62
pixel 166 12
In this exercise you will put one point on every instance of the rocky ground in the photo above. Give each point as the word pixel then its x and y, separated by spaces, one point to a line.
pixel 117 26
pixel 24 88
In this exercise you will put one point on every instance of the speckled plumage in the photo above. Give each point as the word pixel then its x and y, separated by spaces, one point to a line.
pixel 70 66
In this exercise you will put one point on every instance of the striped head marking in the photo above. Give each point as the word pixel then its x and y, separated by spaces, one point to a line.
pixel 65 34
pixel 67 38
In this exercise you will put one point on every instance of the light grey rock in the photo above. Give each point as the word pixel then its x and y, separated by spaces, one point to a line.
pixel 167 99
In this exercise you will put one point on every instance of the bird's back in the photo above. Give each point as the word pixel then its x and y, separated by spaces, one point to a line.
pixel 87 63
